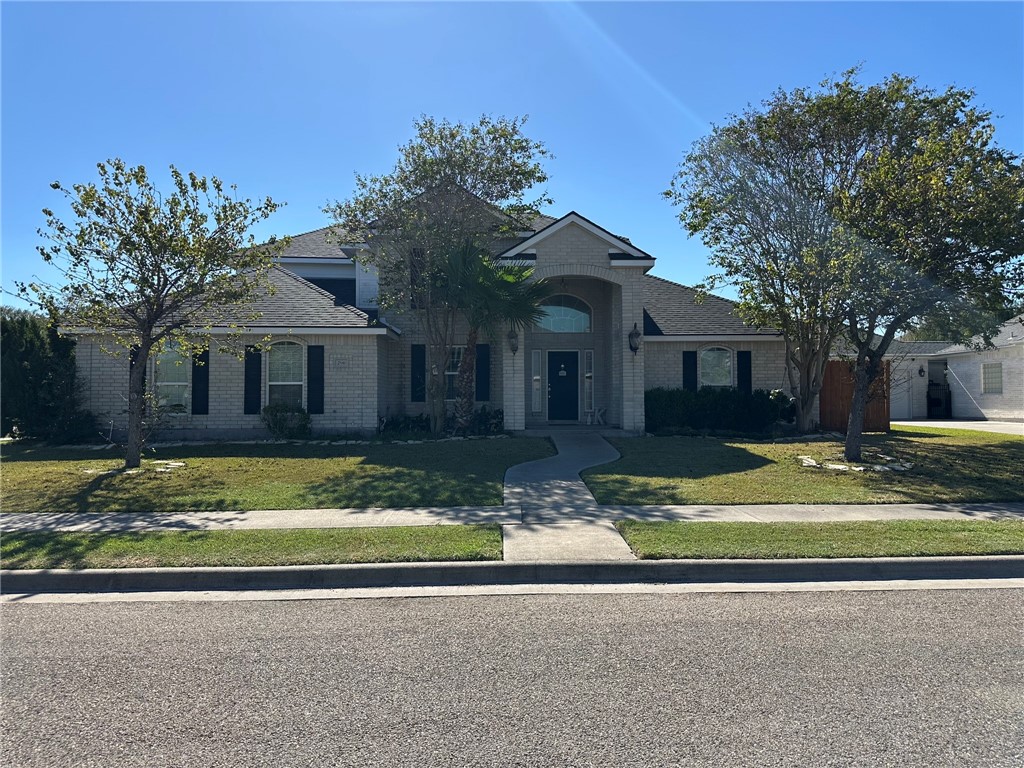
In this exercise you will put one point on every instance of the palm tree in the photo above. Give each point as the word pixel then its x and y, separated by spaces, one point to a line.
pixel 490 295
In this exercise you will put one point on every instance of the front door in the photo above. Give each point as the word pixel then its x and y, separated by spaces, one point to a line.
pixel 563 386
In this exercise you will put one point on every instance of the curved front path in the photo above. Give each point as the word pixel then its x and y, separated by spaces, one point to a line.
pixel 551 490
pixel 553 485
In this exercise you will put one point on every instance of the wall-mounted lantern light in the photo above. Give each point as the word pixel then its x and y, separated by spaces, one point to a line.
pixel 513 341
pixel 634 339
pixel 920 371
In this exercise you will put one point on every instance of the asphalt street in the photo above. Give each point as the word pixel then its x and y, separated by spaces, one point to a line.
pixel 923 678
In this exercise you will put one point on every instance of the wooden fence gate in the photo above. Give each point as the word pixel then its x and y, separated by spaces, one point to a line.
pixel 837 393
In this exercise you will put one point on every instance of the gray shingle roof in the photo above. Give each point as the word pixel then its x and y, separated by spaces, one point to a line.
pixel 916 347
pixel 316 244
pixel 671 309
pixel 1010 333
pixel 297 303
pixel 328 242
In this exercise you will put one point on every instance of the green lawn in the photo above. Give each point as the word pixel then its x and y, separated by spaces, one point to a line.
pixel 949 466
pixel 891 538
pixel 264 476
pixel 168 549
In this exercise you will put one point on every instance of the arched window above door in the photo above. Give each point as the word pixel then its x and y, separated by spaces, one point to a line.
pixel 565 314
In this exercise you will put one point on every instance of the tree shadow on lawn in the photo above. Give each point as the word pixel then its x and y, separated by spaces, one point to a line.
pixel 972 471
pixel 115 491
pixel 690 458
pixel 404 486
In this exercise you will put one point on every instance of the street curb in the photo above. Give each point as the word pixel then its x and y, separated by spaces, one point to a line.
pixel 495 573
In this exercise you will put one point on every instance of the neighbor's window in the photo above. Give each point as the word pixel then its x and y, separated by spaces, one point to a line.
pixel 451 374
pixel 284 374
pixel 564 314
pixel 171 375
pixel 716 367
pixel 992 378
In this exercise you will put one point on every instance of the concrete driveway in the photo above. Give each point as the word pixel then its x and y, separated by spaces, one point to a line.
pixel 1005 427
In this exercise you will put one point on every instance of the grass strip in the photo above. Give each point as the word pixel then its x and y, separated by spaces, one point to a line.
pixel 947 466
pixel 890 538
pixel 220 548
pixel 243 477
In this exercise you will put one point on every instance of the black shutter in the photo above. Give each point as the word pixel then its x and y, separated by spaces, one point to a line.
pixel 315 374
pixel 253 380
pixel 483 373
pixel 690 371
pixel 201 383
pixel 744 381
pixel 418 373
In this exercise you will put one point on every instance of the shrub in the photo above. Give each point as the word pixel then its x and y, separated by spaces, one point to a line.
pixel 404 425
pixel 286 421
pixel 39 389
pixel 709 408
pixel 787 406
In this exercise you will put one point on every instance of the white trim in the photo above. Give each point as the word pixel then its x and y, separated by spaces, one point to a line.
pixel 315 260
pixel 260 329
pixel 648 263
pixel 722 338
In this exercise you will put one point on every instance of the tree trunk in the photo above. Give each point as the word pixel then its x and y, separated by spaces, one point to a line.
pixel 467 367
pixel 863 376
pixel 136 409
pixel 436 386
pixel 804 415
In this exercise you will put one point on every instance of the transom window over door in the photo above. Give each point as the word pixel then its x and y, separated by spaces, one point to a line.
pixel 284 374
pixel 716 367
pixel 564 314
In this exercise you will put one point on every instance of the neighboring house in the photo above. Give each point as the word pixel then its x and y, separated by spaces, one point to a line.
pixel 330 353
pixel 936 379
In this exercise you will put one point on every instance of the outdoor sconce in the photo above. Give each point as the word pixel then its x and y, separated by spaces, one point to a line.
pixel 920 371
pixel 513 341
pixel 634 339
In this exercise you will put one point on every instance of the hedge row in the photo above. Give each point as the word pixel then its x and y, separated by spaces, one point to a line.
pixel 709 408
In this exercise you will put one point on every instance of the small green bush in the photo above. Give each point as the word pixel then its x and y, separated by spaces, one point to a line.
pixel 709 409
pixel 286 421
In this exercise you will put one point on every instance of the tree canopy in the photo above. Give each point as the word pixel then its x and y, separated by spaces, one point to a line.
pixel 146 271
pixel 454 186
pixel 880 203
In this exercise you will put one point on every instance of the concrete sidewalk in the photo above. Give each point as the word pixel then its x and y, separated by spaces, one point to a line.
pixel 1004 427
pixel 509 515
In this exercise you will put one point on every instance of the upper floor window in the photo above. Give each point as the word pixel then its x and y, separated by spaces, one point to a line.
pixel 284 374
pixel 716 367
pixel 565 314
pixel 171 380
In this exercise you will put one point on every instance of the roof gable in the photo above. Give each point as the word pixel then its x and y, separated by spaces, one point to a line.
pixel 618 246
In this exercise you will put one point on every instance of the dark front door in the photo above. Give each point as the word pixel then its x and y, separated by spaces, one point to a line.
pixel 563 386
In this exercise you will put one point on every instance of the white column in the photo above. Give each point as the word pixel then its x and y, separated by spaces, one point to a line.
pixel 513 393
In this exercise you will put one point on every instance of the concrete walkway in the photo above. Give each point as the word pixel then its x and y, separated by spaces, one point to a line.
pixel 1005 427
pixel 560 519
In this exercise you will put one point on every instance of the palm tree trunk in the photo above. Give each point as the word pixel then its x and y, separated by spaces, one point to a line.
pixel 467 367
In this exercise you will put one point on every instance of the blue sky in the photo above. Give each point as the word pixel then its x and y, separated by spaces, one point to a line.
pixel 291 99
